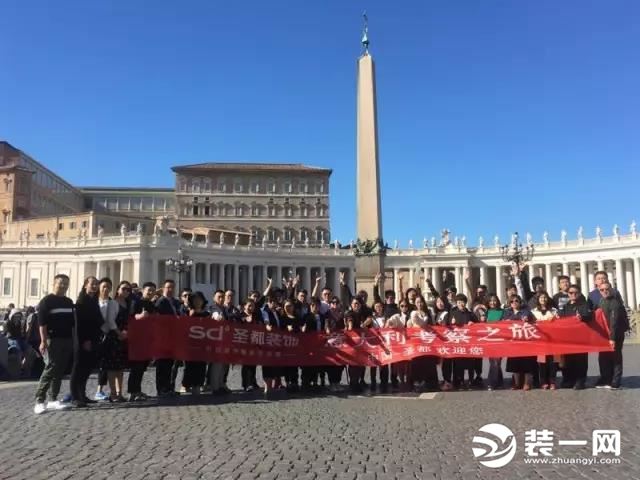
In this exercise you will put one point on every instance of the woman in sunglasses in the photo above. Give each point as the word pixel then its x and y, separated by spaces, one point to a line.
pixel 521 367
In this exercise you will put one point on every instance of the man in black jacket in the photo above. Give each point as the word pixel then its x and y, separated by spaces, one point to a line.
pixel 390 305
pixel 618 321
pixel 143 308
pixel 574 371
pixel 166 305
pixel 312 322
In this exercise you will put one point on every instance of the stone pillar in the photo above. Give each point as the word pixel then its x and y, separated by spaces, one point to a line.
pixel 250 277
pixel 565 269
pixel 352 282
pixel 278 280
pixel 154 271
pixel 236 281
pixel 584 278
pixel 620 278
pixel 437 279
pixel 548 278
pixel 135 272
pixel 500 286
pixel 483 276
pixel 99 269
pixel 336 281
pixel 600 265
pixel 631 291
pixel 636 278
pixel 221 279
pixel 590 275
pixel 412 278
pixel 307 280
pixel 323 278
pixel 459 280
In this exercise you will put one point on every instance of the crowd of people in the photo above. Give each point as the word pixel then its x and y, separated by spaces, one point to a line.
pixel 91 334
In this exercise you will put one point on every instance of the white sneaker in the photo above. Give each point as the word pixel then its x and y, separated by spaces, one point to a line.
pixel 39 408
pixel 56 405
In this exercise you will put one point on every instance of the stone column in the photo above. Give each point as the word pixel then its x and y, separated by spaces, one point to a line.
pixel 483 276
pixel 236 281
pixel 412 278
pixel 154 271
pixel 590 276
pixel 636 277
pixel 600 265
pixel 548 277
pixel 99 270
pixel 323 278
pixel 437 279
pixel 499 285
pixel 352 282
pixel 250 277
pixel 278 280
pixel 336 281
pixel 565 269
pixel 584 278
pixel 631 291
pixel 221 279
pixel 620 285
pixel 307 280
pixel 459 280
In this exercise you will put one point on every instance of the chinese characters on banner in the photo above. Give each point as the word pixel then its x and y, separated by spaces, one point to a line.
pixel 205 339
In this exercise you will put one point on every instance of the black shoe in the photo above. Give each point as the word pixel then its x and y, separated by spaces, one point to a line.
pixel 579 386
pixel 88 400
pixel 78 404
pixel 615 386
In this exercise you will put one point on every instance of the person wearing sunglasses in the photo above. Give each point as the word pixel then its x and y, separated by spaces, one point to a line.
pixel 616 315
pixel 522 368
pixel 184 301
pixel 400 370
pixel 574 366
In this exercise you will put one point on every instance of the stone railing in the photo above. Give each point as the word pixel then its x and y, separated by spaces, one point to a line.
pixel 40 243
pixel 560 245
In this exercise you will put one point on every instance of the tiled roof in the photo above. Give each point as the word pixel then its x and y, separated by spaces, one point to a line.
pixel 252 167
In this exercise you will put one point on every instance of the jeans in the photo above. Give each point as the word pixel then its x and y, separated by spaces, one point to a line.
pixel 57 357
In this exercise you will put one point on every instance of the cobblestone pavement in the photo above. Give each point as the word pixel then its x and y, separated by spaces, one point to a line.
pixel 325 437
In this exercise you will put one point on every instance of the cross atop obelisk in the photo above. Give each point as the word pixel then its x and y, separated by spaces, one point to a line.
pixel 369 260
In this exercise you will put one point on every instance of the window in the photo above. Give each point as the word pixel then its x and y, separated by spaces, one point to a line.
pixel 287 187
pixel 237 187
pixel 72 225
pixel 271 235
pixel 6 286
pixel 6 217
pixel 195 186
pixel 256 187
pixel 201 273
pixel 195 210
pixel 207 210
pixel 117 225
pixel 183 186
pixel 255 210
pixel 271 187
pixel 321 187
pixel 112 203
pixel 287 234
pixel 239 211
pixel 304 188
pixel 40 236
pixel 195 199
pixel 207 187
pixel 222 187
pixel 135 204
pixel 303 234
pixel 147 204
pixel 319 235
pixel 60 226
pixel 84 224
pixel 303 209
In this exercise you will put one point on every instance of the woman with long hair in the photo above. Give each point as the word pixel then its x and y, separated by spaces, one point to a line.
pixel 547 366
pixel 115 313
pixel 495 314
pixel 424 372
pixel 248 372
pixel 194 372
pixel 521 367
pixel 89 321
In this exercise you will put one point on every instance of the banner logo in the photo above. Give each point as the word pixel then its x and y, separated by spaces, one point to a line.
pixel 497 447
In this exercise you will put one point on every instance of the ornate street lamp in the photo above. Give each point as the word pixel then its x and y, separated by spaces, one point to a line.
pixel 179 265
pixel 515 252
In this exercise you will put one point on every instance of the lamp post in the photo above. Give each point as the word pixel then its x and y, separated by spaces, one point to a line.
pixel 515 252
pixel 179 265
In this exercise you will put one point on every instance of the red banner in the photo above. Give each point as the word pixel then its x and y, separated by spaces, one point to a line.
pixel 208 340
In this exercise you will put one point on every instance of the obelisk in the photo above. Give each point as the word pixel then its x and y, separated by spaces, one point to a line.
pixel 369 248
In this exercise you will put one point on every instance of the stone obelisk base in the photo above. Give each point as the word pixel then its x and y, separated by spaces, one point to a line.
pixel 367 267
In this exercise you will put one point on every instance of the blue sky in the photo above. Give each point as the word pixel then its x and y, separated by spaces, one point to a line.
pixel 494 116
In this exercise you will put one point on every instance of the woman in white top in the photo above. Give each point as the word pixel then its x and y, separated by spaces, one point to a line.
pixel 113 351
pixel 547 364
pixel 378 321
pixel 400 370
pixel 424 372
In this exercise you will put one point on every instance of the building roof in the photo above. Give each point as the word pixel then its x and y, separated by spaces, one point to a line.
pixel 251 167
pixel 126 189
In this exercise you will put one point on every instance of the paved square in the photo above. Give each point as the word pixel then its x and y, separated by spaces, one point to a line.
pixel 328 437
